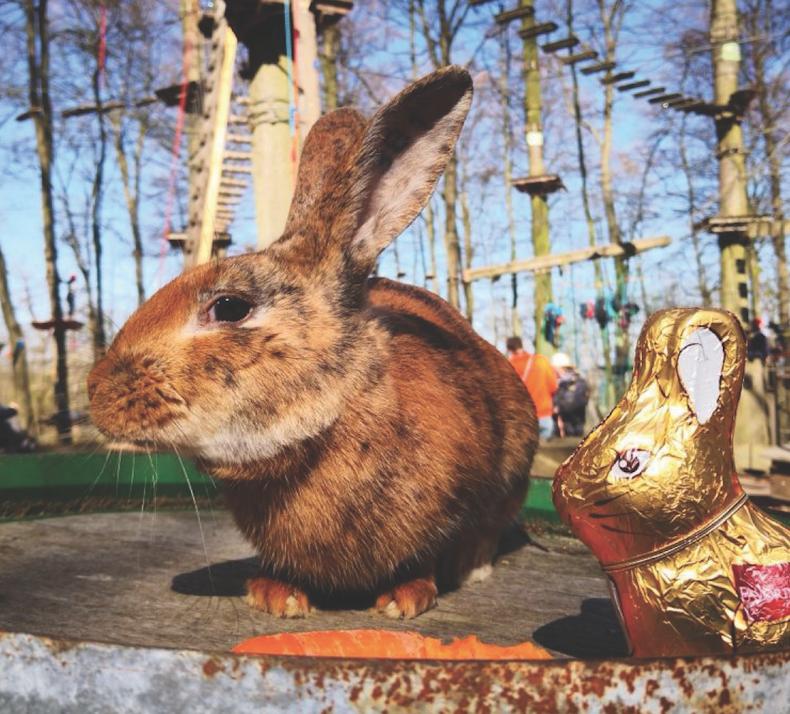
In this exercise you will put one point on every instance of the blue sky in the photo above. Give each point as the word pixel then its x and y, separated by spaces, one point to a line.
pixel 666 271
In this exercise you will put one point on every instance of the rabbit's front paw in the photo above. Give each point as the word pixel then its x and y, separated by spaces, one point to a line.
pixel 277 598
pixel 409 599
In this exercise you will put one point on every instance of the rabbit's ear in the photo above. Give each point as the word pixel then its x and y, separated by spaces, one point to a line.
pixel 700 365
pixel 405 149
pixel 327 147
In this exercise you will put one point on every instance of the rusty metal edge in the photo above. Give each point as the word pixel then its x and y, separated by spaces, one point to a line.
pixel 40 674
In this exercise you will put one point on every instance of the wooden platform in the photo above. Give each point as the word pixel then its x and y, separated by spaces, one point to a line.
pixel 144 579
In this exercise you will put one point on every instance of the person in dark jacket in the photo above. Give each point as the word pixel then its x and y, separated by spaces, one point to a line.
pixel 571 397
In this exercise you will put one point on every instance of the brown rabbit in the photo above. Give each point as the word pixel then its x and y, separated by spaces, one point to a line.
pixel 368 439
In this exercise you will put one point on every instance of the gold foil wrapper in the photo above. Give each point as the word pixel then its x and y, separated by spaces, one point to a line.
pixel 694 567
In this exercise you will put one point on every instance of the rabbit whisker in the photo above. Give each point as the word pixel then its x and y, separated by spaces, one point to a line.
pixel 197 513
pixel 142 508
pixel 118 472
pixel 96 480
pixel 131 480
pixel 181 431
pixel 154 479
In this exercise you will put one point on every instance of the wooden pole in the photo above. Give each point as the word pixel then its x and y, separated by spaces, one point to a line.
pixel 540 208
pixel 544 263
pixel 306 58
pixel 752 433
pixel 193 49
pixel 732 158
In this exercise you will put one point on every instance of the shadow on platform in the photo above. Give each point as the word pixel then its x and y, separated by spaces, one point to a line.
pixel 594 632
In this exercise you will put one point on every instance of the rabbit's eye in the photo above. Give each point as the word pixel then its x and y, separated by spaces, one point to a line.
pixel 229 309
pixel 629 463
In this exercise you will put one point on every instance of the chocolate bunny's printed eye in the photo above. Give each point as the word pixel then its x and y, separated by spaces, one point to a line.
pixel 629 463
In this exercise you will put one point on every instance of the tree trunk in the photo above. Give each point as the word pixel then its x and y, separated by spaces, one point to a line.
pixel 770 125
pixel 131 194
pixel 440 52
pixel 507 128
pixel 466 222
pixel 691 206
pixel 430 230
pixel 588 217
pixel 622 347
pixel 330 45
pixel 82 265
pixel 37 34
pixel 541 243
pixel 18 351
pixel 97 198
pixel 451 244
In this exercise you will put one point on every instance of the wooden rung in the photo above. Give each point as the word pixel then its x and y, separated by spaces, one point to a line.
pixel 618 77
pixel 238 155
pixel 236 169
pixel 544 28
pixel 563 44
pixel 239 139
pixel 600 67
pixel 226 181
pixel 237 119
pixel 544 263
pixel 664 98
pixel 579 57
pixel 698 106
pixel 231 191
pixel 633 85
pixel 331 7
pixel 503 18
pixel 650 92
pixel 538 185
pixel 675 103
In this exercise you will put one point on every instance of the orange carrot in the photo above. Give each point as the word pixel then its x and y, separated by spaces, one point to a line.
pixel 384 644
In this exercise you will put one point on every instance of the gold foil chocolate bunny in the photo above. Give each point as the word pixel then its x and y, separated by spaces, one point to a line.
pixel 694 567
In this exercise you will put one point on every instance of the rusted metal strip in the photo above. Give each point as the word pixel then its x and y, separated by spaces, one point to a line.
pixel 44 675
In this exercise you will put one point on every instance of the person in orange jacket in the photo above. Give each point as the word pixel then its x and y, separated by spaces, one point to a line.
pixel 539 378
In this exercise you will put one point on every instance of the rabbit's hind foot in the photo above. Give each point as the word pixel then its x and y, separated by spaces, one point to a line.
pixel 277 598
pixel 408 599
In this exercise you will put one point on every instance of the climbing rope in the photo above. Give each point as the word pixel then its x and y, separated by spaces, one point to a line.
pixel 101 53
pixel 293 88
pixel 175 152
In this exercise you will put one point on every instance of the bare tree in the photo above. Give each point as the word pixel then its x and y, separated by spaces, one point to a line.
pixel 440 31
pixel 766 72
pixel 38 57
pixel 18 350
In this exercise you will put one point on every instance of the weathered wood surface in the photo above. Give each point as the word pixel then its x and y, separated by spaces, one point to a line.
pixel 142 579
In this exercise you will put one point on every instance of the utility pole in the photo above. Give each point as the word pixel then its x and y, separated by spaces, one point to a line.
pixel 538 195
